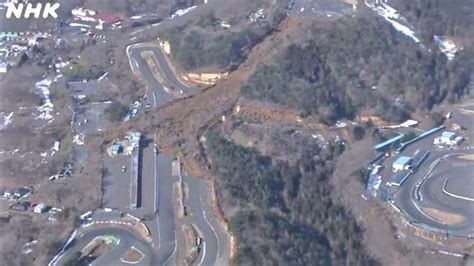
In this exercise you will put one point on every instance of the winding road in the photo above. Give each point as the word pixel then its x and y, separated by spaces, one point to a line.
pixel 215 242
pixel 431 195
pixel 112 257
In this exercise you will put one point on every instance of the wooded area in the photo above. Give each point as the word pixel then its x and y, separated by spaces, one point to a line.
pixel 360 64
pixel 226 50
pixel 286 212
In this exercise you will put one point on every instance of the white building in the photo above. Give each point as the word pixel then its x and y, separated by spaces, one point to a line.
pixel 402 163
pixel 448 138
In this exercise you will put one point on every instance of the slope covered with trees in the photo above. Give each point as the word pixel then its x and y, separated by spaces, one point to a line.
pixel 285 212
pixel 360 64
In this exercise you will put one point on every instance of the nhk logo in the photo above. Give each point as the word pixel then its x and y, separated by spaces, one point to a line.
pixel 22 10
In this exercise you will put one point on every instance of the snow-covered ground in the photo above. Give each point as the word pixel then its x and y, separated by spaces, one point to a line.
pixel 47 107
pixel 5 120
pixel 446 46
pixel 391 15
pixel 182 12
pixel 394 17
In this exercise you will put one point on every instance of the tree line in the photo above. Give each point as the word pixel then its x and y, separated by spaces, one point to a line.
pixel 286 212
pixel 360 64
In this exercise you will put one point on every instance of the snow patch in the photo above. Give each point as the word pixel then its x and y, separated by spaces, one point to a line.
pixel 7 120
pixel 79 139
pixel 47 107
pixel 447 47
pixel 55 147
pixel 182 12
pixel 391 15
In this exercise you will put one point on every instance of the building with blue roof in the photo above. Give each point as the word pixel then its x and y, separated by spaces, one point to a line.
pixel 399 178
pixel 402 163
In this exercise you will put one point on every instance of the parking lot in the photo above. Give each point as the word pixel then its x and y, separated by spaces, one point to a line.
pixel 115 183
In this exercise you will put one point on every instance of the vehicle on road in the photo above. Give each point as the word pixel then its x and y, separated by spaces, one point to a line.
pixel 124 168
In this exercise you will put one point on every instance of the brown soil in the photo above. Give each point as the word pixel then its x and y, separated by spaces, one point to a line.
pixel 132 255
pixel 189 235
pixel 469 157
pixel 180 124
pixel 445 217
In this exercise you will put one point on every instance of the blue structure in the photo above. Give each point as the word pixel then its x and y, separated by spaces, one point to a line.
pixel 400 177
pixel 421 136
pixel 116 149
pixel 418 158
pixel 387 143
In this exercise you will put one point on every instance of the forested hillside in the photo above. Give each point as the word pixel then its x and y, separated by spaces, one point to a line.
pixel 439 17
pixel 360 64
pixel 286 214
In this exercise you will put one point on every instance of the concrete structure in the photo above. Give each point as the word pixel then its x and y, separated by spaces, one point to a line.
pixel 448 138
pixel 402 163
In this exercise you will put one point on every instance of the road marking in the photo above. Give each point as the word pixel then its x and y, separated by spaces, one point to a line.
pixel 158 226
pixel 203 253
pixel 454 195
pixel 174 250
pixel 207 221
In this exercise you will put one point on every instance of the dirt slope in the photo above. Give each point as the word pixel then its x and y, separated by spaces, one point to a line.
pixel 179 125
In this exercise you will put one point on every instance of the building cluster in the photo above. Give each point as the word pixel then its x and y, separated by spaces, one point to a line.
pixel 14 44
pixel 21 201
pixel 92 18
pixel 448 138
pixel 404 165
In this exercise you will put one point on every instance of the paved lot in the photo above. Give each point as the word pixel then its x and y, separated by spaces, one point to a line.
pixel 116 184
pixel 90 118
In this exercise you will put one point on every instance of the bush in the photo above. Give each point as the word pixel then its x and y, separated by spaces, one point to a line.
pixel 81 72
pixel 116 111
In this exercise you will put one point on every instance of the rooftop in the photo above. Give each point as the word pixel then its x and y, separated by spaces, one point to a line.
pixel 400 177
pixel 449 134
pixel 403 160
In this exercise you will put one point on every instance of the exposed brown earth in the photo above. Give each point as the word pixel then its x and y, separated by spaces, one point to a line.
pixel 180 124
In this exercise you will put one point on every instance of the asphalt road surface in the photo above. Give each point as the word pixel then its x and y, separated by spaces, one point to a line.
pixel 433 197
pixel 215 242
pixel 158 91
pixel 166 216
pixel 111 257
